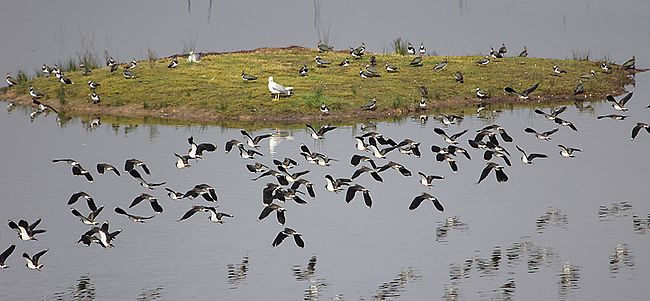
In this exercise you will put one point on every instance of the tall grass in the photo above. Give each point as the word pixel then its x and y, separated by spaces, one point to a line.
pixel 400 46
pixel 578 55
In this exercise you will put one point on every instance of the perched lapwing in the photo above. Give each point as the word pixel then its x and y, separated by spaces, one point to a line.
pixel 629 64
pixel 90 218
pixel 441 65
pixel 567 152
pixel 33 262
pixel 324 109
pixel 46 70
pixel 484 61
pixel 336 185
pixel 215 216
pixel 523 94
pixel 449 139
pixel 95 98
pixel 132 64
pixel 553 114
pixel 391 68
pixel 254 141
pixel 204 190
pixel 557 71
pixel 5 255
pixel 422 105
pixel 113 68
pixel 93 85
pixel 416 62
pixel 77 169
pixel 528 158
pixel 248 153
pixel 481 94
pixel 133 218
pixel 495 54
pixel 427 180
pixel 173 63
pixel 130 164
pixel 153 201
pixel 370 106
pixel 546 136
pixel 66 81
pixel 144 183
pixel 11 81
pixel 425 197
pixel 422 50
pixel 110 61
pixel 247 77
pixel 344 63
pixel 352 190
pixel 620 104
pixel 25 230
pixel 128 74
pixel 564 122
pixel 279 212
pixel 588 76
pixel 35 93
pixel 370 69
pixel 278 90
pixel 320 134
pixel 174 195
pixel 498 170
pixel 356 53
pixel 638 127
pixel 297 237
pixel 503 49
pixel 321 62
pixel 196 150
pixel 322 47
pixel 524 53
pixel 410 49
pixel 606 67
pixel 613 116
pixel 193 57
pixel 458 76
pixel 362 48
pixel 579 89
pixel 303 70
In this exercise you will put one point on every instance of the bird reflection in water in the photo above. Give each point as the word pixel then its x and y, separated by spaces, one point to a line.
pixel 552 216
pixel 618 209
pixel 641 225
pixel 489 266
pixel 237 273
pixel 569 279
pixel 452 293
pixel 506 291
pixel 535 256
pixel 316 285
pixel 83 290
pixel 450 223
pixel 622 258
pixel 151 294
pixel 460 271
pixel 277 137
pixel 392 289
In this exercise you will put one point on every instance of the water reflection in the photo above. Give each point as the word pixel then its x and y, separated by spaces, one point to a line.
pixel 489 266
pixel 460 271
pixel 641 225
pixel 237 273
pixel 554 217
pixel 391 290
pixel 622 258
pixel 535 256
pixel 452 293
pixel 450 223
pixel 506 291
pixel 618 209
pixel 316 285
pixel 151 294
pixel 569 279
pixel 83 290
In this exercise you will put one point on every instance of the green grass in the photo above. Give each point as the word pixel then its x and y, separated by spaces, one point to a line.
pixel 213 87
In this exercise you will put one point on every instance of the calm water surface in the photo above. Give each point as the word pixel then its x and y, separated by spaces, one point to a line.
pixel 551 232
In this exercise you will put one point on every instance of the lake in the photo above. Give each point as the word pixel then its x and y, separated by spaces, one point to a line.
pixel 562 228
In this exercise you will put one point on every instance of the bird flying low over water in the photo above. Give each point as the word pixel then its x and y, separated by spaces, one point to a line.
pixel 33 262
pixel 320 134
pixel 352 190
pixel 196 150
pixel 5 255
pixel 133 218
pixel 279 212
pixel 541 136
pixel 297 237
pixel 25 230
pixel 153 201
pixel 90 218
pixel 567 152
pixel 612 116
pixel 426 197
pixel 498 170
pixel 130 164
pixel 528 158
pixel 77 169
pixel 104 167
pixel 619 105
pixel 215 216
pixel 135 174
pixel 427 180
pixel 204 190
pixel 523 94
pixel 449 139
pixel 638 127
pixel 553 114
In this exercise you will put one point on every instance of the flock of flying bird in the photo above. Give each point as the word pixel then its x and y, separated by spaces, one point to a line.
pixel 285 184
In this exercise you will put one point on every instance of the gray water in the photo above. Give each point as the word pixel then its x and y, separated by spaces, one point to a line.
pixel 505 240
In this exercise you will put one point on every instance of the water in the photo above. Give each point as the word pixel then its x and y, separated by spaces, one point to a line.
pixel 574 229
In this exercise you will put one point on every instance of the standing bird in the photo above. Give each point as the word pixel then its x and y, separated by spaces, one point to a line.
pixel 247 77
pixel 425 197
pixel 416 62
pixel 422 50
pixel 324 109
pixel 322 47
pixel 638 127
pixel 481 94
pixel 390 68
pixel 567 152
pixel 33 262
pixel 278 90
pixel 484 61
pixel 173 63
pixel 580 88
pixel 35 93
pixel 370 106
pixel 95 98
pixel 498 170
pixel 557 71
pixel 321 62
pixel 11 81
pixel 503 49
pixel 524 53
pixel 629 64
pixel 297 237
pixel 410 49
pixel 303 70
pixel 344 63
pixel 528 158
pixel 458 76
pixel 5 255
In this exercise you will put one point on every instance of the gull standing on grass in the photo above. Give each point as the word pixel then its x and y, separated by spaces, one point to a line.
pixel 278 90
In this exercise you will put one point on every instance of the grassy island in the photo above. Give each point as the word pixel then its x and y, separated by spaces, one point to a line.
pixel 212 90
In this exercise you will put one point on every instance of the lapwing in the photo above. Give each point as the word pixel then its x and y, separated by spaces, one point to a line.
pixel 612 116
pixel 579 89
pixel 425 197
pixel 344 63
pixel 5 255
pixel 11 81
pixel 589 75
pixel 336 185
pixel 546 136
pixel 495 54
pixel 557 71
pixel 279 212
pixel 204 190
pixel 524 53
pixel 503 49
pixel 416 62
pixel 87 219
pixel 484 61
pixel 352 191
pixel 247 77
pixel 427 180
pixel 498 170
pixel 567 152
pixel 215 216
pixel 322 47
pixel 322 62
pixel 324 109
pixel 410 49
pixel 449 139
pixel 35 93
pixel 303 70
pixel 153 201
pixel 26 231
pixel 422 50
pixel 248 153
pixel 620 104
pixel 95 98
pixel 320 134
pixel 370 106
pixel 441 65
pixel 458 76
pixel 196 150
pixel 173 63
pixel 629 64
pixel 133 218
pixel 481 94
pixel 128 74
pixel 297 237
pixel 144 183
pixel 254 141
pixel 638 127
pixel 391 68
pixel 33 262
pixel 523 94
pixel 528 158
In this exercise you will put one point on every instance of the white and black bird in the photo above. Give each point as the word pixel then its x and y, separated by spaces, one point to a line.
pixel 182 161
pixel 320 134
pixel 254 141
pixel 196 150
pixel 25 230
pixel 133 218
pixel 448 119
pixel 286 163
pixel 425 197
pixel 11 81
pixel 588 76
pixel 422 50
pixel 100 235
pixel 344 63
pixel 132 64
pixel 567 152
pixel 557 71
pixel 130 164
pixel 620 104
pixel 93 85
pixel 128 74
pixel 370 106
pixel 144 183
pixel 232 143
pixel 215 216
pixel 379 153
pixel 612 116
pixel 81 194
pixel 278 90
pixel 565 122
pixel 297 237
pixel 524 53
pixel 336 185
pixel 495 54
pixel 427 180
pixel 503 49
pixel 33 262
pixel 546 136
pixel 458 76
pixel 416 62
pixel 279 212
pixel 523 94
pixel 5 255
pixel 498 170
pixel 365 73
pixel 553 114
pixel 66 81
pixel 449 139
pixel 396 166
pixel 629 64
pixel 35 93
pixel 352 190
pixel 481 94
pixel 77 169
pixel 579 89
pixel 638 127
pixel 153 201
pixel 247 77
pixel 322 62
pixel 410 49
pixel 204 190
pixel 303 71
pixel 95 98
pixel 528 158
pixel 441 65
pixel 89 219
pixel 322 47
pixel 484 61
pixel 365 169
pixel 173 63
pixel 390 68
pixel 248 153
pixel 324 109
pixel 174 195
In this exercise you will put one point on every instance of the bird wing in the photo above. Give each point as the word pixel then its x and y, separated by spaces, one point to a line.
pixel 137 200
pixel 349 194
pixel 298 239
pixel 279 238
pixel 205 147
pixel 635 131
pixel 530 89
pixel 416 202
pixel 440 132
pixel 6 253
pixel 457 135
pixel 155 206
pixel 367 199
pixel 625 98
pixel 486 171
pixel 38 256
pixel 189 213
